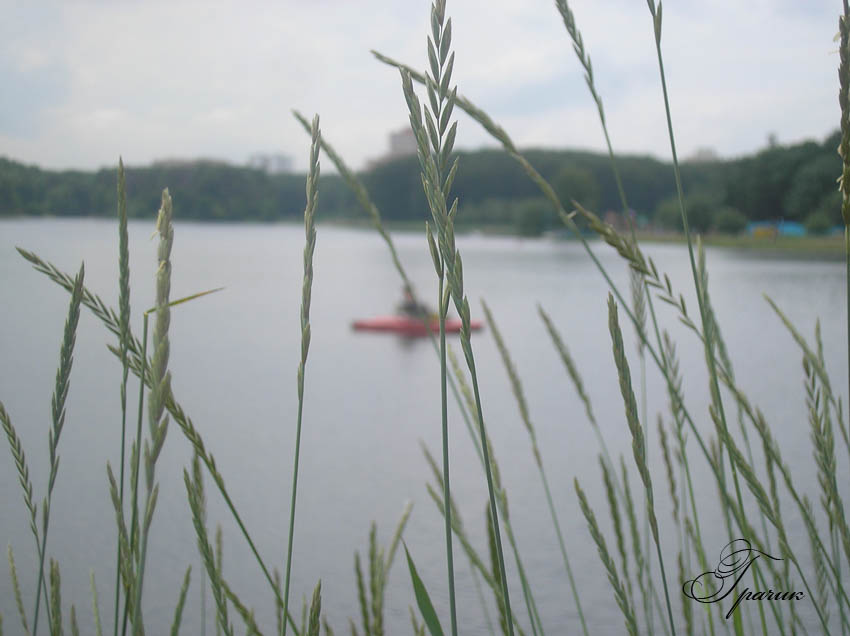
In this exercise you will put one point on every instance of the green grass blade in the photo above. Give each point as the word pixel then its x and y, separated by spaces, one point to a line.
pixel 60 394
pixel 55 600
pixel 617 522
pixel 433 159
pixel 186 299
pixel 376 581
pixel 247 615
pixel 361 596
pixel 95 610
pixel 19 457
pixel 124 344
pixel 126 563
pixel 844 153
pixel 570 366
pixel 643 580
pixel 315 611
pixel 159 394
pixel 426 608
pixel 13 575
pixel 432 162
pixel 278 610
pixel 219 552
pixel 181 602
pixel 207 554
pixel 75 630
pixel 310 230
pixel 619 591
pixel 638 442
pixel 135 458
pixel 516 388
pixel 402 523
pixel 626 248
pixel 494 571
pixel 140 366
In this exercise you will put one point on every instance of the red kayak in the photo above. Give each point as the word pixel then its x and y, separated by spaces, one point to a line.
pixel 409 326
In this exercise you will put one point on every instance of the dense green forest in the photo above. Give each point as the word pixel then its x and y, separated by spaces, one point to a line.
pixel 792 183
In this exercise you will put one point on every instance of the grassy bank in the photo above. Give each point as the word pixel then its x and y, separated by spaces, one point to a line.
pixel 826 247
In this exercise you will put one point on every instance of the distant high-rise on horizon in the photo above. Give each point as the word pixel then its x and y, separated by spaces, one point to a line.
pixel 402 143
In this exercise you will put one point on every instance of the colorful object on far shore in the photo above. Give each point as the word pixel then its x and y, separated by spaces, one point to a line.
pixel 410 326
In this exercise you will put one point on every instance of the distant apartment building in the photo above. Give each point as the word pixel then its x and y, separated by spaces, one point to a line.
pixel 402 144
pixel 271 163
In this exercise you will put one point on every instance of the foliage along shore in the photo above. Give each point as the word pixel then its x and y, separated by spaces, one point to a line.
pixel 793 183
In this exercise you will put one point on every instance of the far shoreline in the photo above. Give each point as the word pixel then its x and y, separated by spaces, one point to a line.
pixel 820 247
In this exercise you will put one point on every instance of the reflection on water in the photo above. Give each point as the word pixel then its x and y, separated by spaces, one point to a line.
pixel 370 400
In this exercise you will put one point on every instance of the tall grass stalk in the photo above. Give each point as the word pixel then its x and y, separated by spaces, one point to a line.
pixel 824 455
pixel 668 352
pixel 815 363
pixel 616 519
pixel 198 481
pixel 13 574
pixel 633 254
pixel 772 515
pixel 466 404
pixel 717 401
pixel 844 151
pixel 55 599
pixel 459 387
pixel 444 417
pixel 437 179
pixel 717 355
pixel 490 577
pixel 159 394
pixel 141 366
pixel 371 602
pixel 640 293
pixel 181 602
pixel 362 195
pixel 516 387
pixel 619 591
pixel 772 450
pixel 628 251
pixel 310 231
pixel 19 457
pixel 57 403
pixel 638 443
pixel 134 473
pixel 637 549
pixel 501 502
pixel 435 140
pixel 95 609
pixel 207 554
pixel 124 343
pixel 441 141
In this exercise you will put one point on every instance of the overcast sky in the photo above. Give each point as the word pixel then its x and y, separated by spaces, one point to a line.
pixel 85 82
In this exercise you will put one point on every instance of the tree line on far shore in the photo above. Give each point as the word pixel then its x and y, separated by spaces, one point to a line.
pixel 782 182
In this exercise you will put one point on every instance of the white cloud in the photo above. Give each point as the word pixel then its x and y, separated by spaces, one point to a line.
pixel 155 79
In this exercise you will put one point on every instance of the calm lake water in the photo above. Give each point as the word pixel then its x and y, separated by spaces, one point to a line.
pixel 370 401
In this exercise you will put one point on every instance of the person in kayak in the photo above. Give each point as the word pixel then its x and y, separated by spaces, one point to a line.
pixel 411 307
